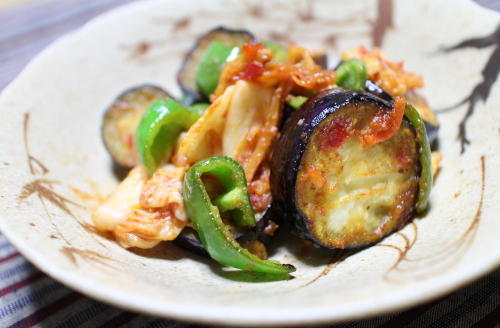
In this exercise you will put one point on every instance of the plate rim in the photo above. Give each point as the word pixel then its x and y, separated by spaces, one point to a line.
pixel 199 314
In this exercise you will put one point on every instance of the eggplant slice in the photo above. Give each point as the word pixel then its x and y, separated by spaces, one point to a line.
pixel 336 190
pixel 418 101
pixel 186 77
pixel 122 118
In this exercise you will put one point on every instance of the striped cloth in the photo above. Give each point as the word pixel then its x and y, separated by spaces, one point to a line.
pixel 29 298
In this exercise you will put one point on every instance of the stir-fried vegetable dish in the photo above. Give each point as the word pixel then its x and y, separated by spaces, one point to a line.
pixel 267 137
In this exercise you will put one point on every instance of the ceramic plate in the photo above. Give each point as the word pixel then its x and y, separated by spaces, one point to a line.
pixel 51 154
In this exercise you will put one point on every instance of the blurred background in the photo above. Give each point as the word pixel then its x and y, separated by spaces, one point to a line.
pixel 27 26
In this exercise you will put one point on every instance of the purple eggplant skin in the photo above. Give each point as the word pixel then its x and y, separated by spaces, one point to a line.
pixel 432 134
pixel 122 117
pixel 286 160
pixel 189 240
pixel 186 76
pixel 374 89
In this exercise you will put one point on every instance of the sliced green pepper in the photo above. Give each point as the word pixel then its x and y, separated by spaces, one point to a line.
pixel 206 219
pixel 199 108
pixel 280 54
pixel 352 74
pixel 297 101
pixel 158 130
pixel 425 181
pixel 210 66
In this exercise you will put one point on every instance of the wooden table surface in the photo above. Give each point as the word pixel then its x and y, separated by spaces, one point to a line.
pixel 26 27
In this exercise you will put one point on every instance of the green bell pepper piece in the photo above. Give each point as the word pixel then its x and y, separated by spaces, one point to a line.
pixel 206 219
pixel 158 130
pixel 211 64
pixel 352 74
pixel 425 181
pixel 199 108
pixel 280 54
pixel 297 101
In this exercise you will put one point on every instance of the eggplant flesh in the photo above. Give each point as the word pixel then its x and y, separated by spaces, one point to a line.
pixel 335 189
pixel 186 77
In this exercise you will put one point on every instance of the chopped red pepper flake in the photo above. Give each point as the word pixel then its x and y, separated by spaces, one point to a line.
pixel 299 73
pixel 252 71
pixel 385 123
pixel 337 132
pixel 251 50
